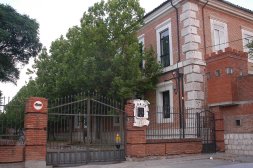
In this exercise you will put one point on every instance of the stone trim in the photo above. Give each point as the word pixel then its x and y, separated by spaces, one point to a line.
pixel 159 28
pixel 194 80
pixel 162 87
pixel 239 143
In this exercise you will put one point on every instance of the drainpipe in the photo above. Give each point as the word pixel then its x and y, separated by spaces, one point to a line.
pixel 204 36
pixel 204 28
pixel 181 110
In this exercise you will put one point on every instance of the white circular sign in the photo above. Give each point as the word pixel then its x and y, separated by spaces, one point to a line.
pixel 38 105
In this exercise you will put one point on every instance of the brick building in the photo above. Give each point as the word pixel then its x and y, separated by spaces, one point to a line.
pixel 230 96
pixel 184 33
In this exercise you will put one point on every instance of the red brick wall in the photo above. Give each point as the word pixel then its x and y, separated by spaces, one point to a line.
pixel 245 87
pixel 138 146
pixel 244 113
pixel 35 130
pixel 234 24
pixel 229 136
pixel 219 129
pixel 35 125
pixel 9 154
pixel 224 88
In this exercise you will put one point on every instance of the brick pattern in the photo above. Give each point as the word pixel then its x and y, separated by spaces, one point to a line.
pixel 35 120
pixel 35 130
pixel 183 148
pixel 138 146
pixel 30 105
pixel 10 154
pixel 36 137
pixel 35 152
pixel 219 129
pixel 229 134
pixel 192 33
pixel 223 88
pixel 245 88
pixel 156 149
pixel 243 113
pixel 135 136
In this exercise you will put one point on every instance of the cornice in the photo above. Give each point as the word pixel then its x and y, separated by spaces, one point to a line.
pixel 221 5
pixel 229 8
pixel 158 12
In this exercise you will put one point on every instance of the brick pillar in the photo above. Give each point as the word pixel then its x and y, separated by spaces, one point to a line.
pixel 219 129
pixel 135 136
pixel 35 132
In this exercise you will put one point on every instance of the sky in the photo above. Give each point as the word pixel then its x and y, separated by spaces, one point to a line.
pixel 56 17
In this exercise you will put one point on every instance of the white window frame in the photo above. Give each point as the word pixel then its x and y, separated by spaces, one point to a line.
pixel 159 28
pixel 163 87
pixel 245 34
pixel 225 28
pixel 141 39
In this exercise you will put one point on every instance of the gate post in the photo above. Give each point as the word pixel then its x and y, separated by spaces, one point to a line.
pixel 135 136
pixel 35 125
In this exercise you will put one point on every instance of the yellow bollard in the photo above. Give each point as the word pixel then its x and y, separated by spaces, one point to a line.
pixel 117 141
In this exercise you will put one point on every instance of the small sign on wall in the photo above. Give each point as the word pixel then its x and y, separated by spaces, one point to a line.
pixel 141 113
pixel 37 105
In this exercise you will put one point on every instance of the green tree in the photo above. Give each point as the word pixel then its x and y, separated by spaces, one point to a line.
pixel 250 46
pixel 102 55
pixel 18 42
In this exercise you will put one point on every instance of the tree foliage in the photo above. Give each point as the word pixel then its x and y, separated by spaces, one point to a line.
pixel 250 46
pixel 18 42
pixel 101 55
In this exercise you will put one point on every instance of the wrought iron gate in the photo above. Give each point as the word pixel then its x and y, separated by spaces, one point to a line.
pixel 83 129
pixel 206 131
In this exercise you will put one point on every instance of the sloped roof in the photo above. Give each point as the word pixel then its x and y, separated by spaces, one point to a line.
pixel 223 1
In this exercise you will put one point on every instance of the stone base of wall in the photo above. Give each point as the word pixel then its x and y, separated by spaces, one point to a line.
pixel 165 147
pixel 240 144
pixel 11 154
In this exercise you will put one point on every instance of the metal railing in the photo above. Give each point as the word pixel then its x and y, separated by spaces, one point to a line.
pixel 170 123
pixel 11 121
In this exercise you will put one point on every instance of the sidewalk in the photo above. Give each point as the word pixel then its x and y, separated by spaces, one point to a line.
pixel 218 160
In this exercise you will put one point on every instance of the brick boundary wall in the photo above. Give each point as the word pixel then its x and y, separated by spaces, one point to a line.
pixel 35 132
pixel 33 152
pixel 219 129
pixel 11 153
pixel 138 146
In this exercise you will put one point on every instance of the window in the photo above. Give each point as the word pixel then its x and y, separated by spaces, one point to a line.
pixel 165 48
pixel 247 38
pixel 140 112
pixel 238 122
pixel 219 35
pixel 164 43
pixel 241 73
pixel 229 70
pixel 208 75
pixel 141 47
pixel 164 102
pixel 217 73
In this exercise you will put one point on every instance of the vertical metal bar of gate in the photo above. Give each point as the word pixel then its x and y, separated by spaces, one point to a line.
pixel 198 125
pixel 88 129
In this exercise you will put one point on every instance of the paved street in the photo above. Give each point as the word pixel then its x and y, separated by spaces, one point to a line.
pixel 219 160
